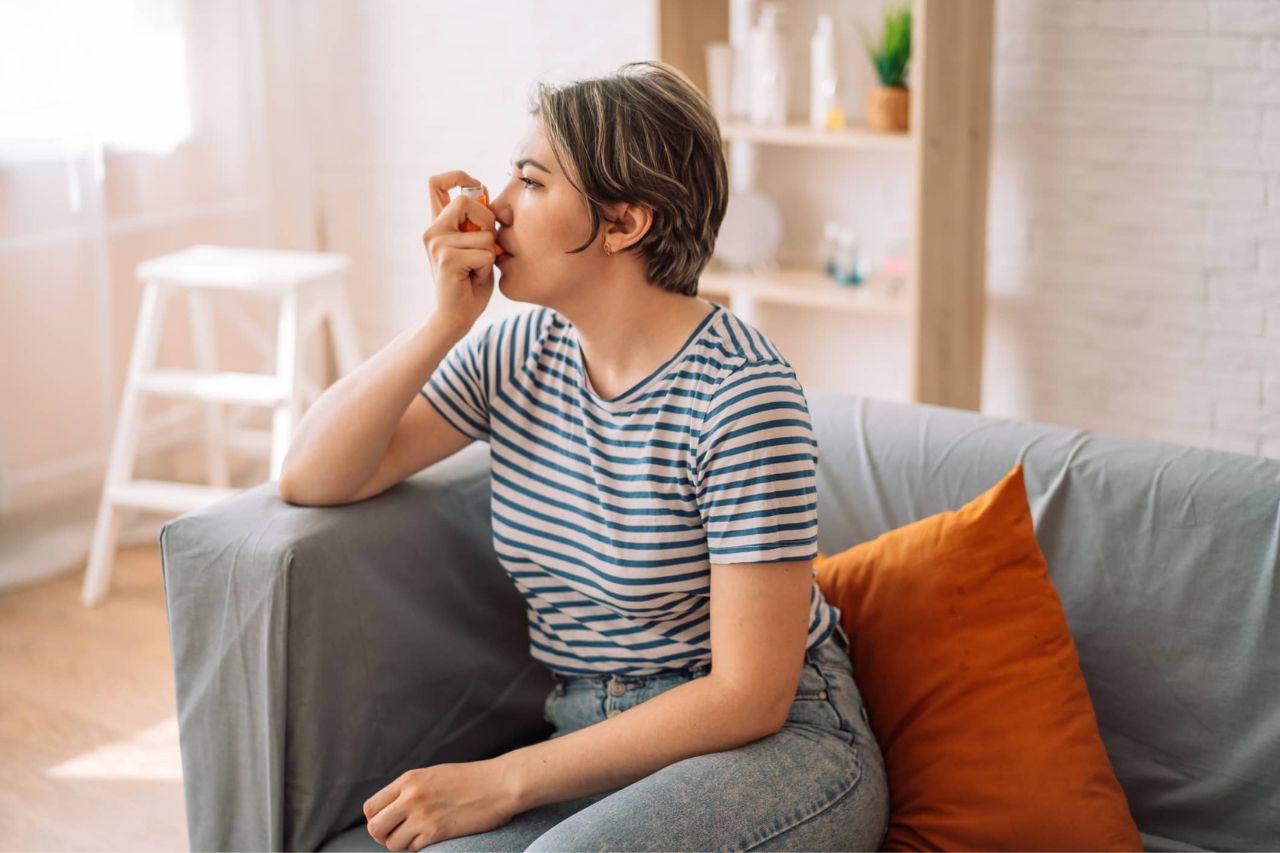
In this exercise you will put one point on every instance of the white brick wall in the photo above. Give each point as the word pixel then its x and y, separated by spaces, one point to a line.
pixel 1134 239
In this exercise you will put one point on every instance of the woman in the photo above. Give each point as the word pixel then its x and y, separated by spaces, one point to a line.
pixel 654 500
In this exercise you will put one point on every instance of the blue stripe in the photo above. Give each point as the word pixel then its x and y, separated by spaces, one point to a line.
pixel 510 485
pixel 456 418
pixel 765 513
pixel 660 659
pixel 737 345
pixel 696 537
pixel 770 528
pixel 800 424
pixel 721 551
pixel 454 379
pixel 753 481
pixel 645 627
pixel 586 578
pixel 789 390
pixel 599 559
pixel 721 455
pixel 776 495
pixel 607 644
pixel 779 459
pixel 695 614
pixel 500 441
pixel 616 508
pixel 486 385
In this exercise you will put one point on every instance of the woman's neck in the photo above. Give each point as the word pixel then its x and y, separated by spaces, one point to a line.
pixel 624 343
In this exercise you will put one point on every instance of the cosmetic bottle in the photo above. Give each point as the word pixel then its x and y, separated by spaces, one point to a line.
pixel 740 19
pixel 768 70
pixel 848 260
pixel 481 195
pixel 827 254
pixel 824 111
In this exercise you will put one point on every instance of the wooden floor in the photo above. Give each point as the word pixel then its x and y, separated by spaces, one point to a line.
pixel 88 733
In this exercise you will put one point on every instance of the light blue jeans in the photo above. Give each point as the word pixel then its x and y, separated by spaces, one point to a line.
pixel 817 784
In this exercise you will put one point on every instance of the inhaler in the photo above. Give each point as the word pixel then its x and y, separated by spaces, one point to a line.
pixel 481 195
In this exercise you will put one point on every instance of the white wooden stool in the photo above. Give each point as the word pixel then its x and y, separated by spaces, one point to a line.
pixel 309 289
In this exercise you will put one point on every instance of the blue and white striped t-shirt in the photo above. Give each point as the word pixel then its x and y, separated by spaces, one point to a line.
pixel 607 514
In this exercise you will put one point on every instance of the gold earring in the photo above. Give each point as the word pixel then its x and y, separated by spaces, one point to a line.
pixel 607 250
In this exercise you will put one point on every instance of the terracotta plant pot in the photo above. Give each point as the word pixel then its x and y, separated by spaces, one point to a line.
pixel 889 108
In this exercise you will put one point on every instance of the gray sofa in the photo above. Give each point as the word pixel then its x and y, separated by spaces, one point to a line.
pixel 320 652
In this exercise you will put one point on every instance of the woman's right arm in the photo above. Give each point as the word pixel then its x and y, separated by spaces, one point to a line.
pixel 365 433
pixel 343 440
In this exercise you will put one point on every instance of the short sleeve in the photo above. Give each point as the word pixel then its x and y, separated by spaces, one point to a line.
pixel 458 389
pixel 757 468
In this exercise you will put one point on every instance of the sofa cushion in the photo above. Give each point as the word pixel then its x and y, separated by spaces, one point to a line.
pixel 970 676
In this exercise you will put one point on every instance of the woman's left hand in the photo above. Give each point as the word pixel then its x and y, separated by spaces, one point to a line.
pixel 435 803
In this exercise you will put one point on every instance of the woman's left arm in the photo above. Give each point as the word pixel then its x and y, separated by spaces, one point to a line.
pixel 759 628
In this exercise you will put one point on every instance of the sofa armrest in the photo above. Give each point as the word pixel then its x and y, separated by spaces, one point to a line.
pixel 319 652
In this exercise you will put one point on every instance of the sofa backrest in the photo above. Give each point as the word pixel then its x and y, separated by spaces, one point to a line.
pixel 1166 559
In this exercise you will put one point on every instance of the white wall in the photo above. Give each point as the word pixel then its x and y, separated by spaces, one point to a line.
pixel 1134 251
pixel 402 90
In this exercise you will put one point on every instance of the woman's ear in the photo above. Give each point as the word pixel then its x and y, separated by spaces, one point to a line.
pixel 629 223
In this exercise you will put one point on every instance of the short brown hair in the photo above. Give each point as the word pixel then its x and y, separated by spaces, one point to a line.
pixel 644 135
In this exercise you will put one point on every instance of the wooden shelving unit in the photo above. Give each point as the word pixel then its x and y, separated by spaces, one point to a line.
pixel 943 300
pixel 856 136
pixel 805 287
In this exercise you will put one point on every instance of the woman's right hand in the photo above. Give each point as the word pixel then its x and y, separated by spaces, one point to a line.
pixel 461 261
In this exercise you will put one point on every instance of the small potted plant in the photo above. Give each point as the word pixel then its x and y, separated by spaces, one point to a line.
pixel 889 104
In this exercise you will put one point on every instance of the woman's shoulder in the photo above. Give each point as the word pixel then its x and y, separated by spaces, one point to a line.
pixel 742 345
pixel 741 353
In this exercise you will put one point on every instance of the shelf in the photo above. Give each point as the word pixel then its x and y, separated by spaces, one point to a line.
pixel 795 286
pixel 855 136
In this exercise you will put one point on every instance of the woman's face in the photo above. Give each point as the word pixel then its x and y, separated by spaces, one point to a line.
pixel 540 218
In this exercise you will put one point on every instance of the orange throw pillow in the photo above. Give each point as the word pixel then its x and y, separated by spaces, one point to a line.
pixel 961 650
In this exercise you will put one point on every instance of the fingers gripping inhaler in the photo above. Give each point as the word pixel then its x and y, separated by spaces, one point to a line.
pixel 481 195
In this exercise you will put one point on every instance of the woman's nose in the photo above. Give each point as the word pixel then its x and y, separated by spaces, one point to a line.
pixel 501 207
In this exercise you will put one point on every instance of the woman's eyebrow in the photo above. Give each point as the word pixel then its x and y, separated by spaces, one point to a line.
pixel 528 161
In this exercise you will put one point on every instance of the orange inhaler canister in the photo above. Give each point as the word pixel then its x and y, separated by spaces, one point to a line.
pixel 481 195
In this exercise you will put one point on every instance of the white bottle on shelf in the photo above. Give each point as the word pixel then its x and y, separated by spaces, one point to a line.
pixel 740 18
pixel 768 70
pixel 824 113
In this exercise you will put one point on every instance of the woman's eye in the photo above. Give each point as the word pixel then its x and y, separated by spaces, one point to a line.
pixel 528 182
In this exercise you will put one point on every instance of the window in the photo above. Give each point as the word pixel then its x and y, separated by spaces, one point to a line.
pixel 79 76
